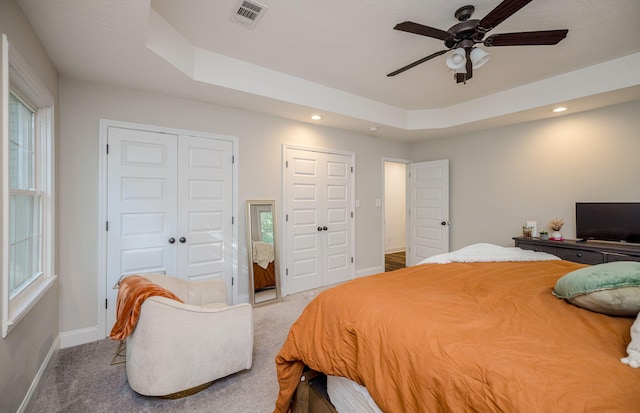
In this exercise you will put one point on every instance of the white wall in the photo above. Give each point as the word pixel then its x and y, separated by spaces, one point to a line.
pixel 501 178
pixel 260 138
pixel 395 212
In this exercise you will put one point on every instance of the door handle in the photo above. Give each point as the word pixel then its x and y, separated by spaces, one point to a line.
pixel 443 223
pixel 172 240
pixel 319 228
pixel 182 240
pixel 324 228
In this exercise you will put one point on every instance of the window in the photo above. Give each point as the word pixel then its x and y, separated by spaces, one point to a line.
pixel 25 200
pixel 27 189
pixel 266 226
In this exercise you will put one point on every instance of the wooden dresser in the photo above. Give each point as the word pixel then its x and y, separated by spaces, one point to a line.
pixel 589 252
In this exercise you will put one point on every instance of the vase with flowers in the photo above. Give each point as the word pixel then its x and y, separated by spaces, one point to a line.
pixel 556 225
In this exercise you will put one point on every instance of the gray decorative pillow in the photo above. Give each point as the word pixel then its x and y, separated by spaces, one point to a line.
pixel 612 288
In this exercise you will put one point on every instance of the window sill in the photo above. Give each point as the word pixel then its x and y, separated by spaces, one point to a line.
pixel 20 305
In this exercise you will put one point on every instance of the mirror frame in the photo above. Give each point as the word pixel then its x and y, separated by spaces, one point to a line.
pixel 276 260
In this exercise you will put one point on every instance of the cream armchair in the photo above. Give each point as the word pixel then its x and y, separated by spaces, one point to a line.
pixel 176 346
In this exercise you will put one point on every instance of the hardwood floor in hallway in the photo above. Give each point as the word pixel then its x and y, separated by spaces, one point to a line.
pixel 394 261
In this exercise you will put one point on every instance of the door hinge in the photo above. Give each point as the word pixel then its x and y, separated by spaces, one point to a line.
pixel 232 281
pixel 233 159
pixel 107 226
pixel 351 214
pixel 107 149
pixel 233 220
pixel 286 218
pixel 106 303
pixel 352 169
pixel 351 260
pixel 286 164
pixel 286 272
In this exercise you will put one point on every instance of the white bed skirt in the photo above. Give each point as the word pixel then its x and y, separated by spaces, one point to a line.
pixel 349 397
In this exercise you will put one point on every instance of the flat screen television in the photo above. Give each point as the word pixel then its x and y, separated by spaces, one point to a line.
pixel 608 221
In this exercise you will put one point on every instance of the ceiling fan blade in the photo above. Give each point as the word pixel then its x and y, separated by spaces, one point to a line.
pixel 423 30
pixel 417 62
pixel 539 38
pixel 500 13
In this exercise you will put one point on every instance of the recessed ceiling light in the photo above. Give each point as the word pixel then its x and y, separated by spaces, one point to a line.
pixel 316 117
pixel 560 109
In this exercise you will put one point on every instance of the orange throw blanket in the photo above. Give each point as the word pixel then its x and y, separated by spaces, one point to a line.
pixel 132 292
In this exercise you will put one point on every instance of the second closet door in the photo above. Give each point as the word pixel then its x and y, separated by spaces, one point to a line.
pixel 318 219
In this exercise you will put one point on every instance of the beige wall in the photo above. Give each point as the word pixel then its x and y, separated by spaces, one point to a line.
pixel 503 177
pixel 260 139
pixel 24 350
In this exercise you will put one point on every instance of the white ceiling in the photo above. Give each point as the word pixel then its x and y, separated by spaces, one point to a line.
pixel 332 57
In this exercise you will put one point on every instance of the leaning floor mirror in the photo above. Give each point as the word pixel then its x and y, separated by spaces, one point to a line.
pixel 262 251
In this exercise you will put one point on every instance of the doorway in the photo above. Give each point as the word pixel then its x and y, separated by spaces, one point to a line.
pixel 394 213
pixel 422 189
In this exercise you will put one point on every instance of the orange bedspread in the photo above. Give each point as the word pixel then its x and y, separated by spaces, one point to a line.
pixel 462 337
pixel 132 292
pixel 262 277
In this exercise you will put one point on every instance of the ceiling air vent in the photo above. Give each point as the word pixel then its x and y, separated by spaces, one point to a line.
pixel 248 13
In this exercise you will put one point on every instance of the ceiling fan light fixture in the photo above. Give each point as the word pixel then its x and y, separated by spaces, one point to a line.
pixel 457 60
pixel 478 57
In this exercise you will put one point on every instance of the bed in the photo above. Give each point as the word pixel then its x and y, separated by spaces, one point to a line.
pixel 264 278
pixel 464 336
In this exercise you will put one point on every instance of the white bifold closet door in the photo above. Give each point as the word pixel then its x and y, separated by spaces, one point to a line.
pixel 318 219
pixel 169 207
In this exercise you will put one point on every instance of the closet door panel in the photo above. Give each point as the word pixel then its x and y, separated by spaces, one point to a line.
pixel 303 220
pixel 337 216
pixel 205 201
pixel 141 207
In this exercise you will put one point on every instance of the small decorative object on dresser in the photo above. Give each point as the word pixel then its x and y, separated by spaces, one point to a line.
pixel 544 235
pixel 556 225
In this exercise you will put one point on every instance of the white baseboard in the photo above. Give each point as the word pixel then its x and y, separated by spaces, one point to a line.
pixel 38 379
pixel 394 250
pixel 369 271
pixel 81 336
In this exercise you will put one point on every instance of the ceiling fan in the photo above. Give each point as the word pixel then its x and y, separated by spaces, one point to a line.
pixel 462 38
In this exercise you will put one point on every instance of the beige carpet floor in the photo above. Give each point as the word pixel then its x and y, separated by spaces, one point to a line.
pixel 82 378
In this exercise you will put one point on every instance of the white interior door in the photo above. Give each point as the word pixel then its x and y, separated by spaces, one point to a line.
pixel 318 219
pixel 428 205
pixel 142 206
pixel 205 201
pixel 336 222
